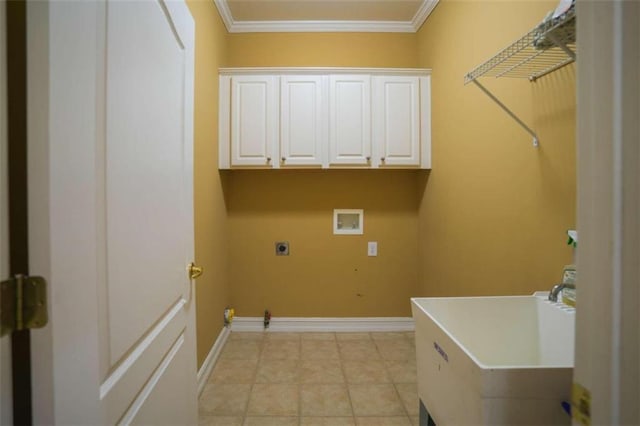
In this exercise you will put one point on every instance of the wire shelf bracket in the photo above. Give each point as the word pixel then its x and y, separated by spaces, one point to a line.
pixel 508 111
pixel 546 48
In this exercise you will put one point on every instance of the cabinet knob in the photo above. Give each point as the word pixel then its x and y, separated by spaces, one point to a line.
pixel 382 159
pixel 268 159
pixel 283 159
pixel 368 159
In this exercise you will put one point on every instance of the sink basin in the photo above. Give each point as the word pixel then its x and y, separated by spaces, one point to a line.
pixel 494 360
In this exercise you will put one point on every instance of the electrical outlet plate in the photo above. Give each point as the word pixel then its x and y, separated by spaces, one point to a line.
pixel 282 248
pixel 372 248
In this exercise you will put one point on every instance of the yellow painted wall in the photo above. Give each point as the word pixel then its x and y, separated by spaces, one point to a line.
pixel 325 275
pixel 494 210
pixel 212 289
pixel 323 50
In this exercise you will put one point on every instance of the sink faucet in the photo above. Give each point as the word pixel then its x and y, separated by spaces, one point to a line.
pixel 553 294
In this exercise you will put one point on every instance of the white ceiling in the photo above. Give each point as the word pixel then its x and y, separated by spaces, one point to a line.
pixel 324 15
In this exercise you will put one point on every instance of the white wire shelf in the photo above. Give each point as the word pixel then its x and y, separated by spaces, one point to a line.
pixel 546 48
pixel 542 50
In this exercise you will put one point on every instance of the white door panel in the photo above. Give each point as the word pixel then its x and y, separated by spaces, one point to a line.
pixel 151 408
pixel 116 186
pixel 123 384
pixel 144 80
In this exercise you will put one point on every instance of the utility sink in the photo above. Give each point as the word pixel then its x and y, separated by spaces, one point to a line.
pixel 494 360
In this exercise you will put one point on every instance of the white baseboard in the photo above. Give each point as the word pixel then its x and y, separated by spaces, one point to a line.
pixel 210 361
pixel 325 324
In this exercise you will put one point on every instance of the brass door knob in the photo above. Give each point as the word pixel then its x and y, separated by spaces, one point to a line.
pixel 194 271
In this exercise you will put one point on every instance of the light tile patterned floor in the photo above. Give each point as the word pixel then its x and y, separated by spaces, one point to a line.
pixel 323 379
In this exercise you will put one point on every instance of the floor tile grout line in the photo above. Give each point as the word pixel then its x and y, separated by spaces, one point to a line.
pixel 255 377
pixel 393 384
pixel 402 402
pixel 411 339
pixel 346 384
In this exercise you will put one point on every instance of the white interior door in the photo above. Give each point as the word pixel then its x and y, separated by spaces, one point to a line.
pixel 110 95
pixel 6 401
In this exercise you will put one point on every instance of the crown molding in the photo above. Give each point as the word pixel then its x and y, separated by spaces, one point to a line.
pixel 323 71
pixel 225 13
pixel 423 13
pixel 320 26
pixel 412 26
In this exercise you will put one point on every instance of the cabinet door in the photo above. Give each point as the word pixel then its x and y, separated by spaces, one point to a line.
pixel 303 120
pixel 254 120
pixel 350 120
pixel 396 112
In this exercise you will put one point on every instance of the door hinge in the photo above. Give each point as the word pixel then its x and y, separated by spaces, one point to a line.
pixel 23 303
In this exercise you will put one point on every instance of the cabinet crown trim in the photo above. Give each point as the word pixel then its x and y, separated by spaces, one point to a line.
pixel 324 71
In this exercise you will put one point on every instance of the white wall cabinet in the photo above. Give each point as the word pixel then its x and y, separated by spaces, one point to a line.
pixel 396 120
pixel 303 118
pixel 350 120
pixel 324 117
pixel 254 111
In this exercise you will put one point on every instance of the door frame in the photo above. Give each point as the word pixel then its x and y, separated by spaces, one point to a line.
pixel 18 197
pixel 6 400
pixel 607 361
